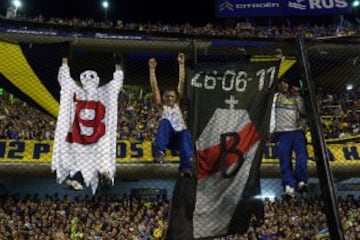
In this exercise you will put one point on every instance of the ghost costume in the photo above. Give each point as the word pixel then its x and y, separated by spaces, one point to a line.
pixel 85 136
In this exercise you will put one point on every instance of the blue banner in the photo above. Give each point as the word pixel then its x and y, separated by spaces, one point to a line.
pixel 315 7
pixel 241 8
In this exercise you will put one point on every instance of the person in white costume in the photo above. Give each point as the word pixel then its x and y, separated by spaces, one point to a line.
pixel 85 136
pixel 172 131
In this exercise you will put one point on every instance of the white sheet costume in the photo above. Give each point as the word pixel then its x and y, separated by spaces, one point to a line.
pixel 85 136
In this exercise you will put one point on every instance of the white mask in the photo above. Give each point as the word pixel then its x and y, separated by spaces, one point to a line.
pixel 89 79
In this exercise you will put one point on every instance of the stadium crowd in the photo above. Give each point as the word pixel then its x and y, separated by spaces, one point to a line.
pixel 244 29
pixel 142 218
pixel 138 118
pixel 109 217
pixel 98 217
pixel 340 113
pixel 301 219
pixel 20 121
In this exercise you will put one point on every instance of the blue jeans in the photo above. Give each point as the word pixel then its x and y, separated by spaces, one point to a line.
pixel 167 137
pixel 287 143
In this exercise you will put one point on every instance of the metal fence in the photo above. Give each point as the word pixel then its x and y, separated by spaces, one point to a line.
pixel 137 203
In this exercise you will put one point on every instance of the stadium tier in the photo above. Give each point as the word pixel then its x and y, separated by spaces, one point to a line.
pixel 230 85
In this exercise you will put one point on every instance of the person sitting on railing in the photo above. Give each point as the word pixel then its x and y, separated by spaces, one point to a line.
pixel 172 131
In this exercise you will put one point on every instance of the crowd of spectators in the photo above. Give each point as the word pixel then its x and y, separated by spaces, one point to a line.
pixel 340 113
pixel 105 217
pixel 136 218
pixel 141 218
pixel 302 219
pixel 109 216
pixel 21 121
pixel 138 118
pixel 244 29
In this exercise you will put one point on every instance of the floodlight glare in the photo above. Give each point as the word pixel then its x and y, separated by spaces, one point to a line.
pixel 349 87
pixel 356 3
pixel 17 3
pixel 105 4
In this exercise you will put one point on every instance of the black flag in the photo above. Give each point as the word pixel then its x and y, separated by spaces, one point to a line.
pixel 231 105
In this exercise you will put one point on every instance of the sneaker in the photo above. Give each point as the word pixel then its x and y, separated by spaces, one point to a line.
pixel 186 172
pixel 302 187
pixel 73 184
pixel 289 191
pixel 159 157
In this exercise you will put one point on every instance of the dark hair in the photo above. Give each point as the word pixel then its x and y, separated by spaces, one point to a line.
pixel 169 90
pixel 291 83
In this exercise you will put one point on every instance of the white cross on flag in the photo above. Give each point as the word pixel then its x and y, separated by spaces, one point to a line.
pixel 229 129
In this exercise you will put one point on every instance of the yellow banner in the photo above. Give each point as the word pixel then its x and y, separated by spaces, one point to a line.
pixel 41 151
pixel 138 152
pixel 346 153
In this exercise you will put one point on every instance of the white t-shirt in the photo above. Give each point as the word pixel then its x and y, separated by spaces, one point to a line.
pixel 175 117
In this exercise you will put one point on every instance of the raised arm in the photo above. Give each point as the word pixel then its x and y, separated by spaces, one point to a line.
pixel 301 105
pixel 181 84
pixel 153 81
pixel 118 77
pixel 64 76
pixel 295 91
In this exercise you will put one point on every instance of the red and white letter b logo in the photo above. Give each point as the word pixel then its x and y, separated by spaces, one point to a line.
pixel 96 123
